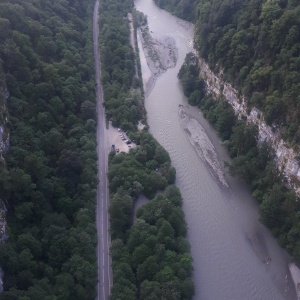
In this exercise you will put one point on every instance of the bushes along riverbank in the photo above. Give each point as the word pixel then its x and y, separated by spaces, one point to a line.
pixel 150 255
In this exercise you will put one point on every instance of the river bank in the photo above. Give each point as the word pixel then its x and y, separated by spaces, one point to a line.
pixel 295 273
pixel 229 244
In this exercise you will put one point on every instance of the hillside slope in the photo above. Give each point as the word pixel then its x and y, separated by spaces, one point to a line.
pixel 256 44
pixel 49 177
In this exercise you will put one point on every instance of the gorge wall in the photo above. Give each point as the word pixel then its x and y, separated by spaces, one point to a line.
pixel 286 159
pixel 4 144
pixel 4 133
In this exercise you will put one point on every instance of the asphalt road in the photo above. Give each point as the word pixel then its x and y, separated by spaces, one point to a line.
pixel 102 219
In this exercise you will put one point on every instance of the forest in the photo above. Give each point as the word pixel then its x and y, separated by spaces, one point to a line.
pixel 49 176
pixel 150 254
pixel 256 45
pixel 184 9
pixel 49 173
pixel 123 101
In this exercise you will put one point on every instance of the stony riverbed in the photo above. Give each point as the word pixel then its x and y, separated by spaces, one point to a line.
pixel 202 144
pixel 161 54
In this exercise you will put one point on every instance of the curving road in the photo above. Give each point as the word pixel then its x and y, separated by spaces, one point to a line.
pixel 102 220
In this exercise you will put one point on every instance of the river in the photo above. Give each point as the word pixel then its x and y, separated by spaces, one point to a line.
pixel 235 256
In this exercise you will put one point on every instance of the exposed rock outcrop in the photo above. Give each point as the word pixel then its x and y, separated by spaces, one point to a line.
pixel 286 158
pixel 4 144
pixel 4 134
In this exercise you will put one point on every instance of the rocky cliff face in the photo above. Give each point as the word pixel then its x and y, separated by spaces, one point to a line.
pixel 4 133
pixel 4 144
pixel 287 160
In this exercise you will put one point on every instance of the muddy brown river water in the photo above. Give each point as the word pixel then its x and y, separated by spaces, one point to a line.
pixel 235 256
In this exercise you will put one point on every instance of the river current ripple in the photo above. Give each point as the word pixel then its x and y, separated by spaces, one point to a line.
pixel 235 256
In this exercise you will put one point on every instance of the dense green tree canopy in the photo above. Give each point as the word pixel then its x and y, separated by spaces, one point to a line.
pixel 50 176
pixel 182 8
pixel 123 105
pixel 150 255
pixel 256 44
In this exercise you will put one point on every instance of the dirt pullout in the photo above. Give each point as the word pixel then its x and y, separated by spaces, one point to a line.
pixel 202 145
pixel 115 138
pixel 160 53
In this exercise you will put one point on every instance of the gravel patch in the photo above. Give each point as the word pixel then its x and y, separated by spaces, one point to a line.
pixel 202 145
pixel 160 53
pixel 115 136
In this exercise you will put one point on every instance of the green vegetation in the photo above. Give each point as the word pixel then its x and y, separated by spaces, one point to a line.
pixel 150 254
pixel 278 205
pixel 123 105
pixel 184 9
pixel 218 112
pixel 256 43
pixel 49 179
pixel 139 19
pixel 193 85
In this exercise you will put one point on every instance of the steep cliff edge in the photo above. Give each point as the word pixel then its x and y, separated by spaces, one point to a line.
pixel 287 160
pixel 4 132
pixel 4 143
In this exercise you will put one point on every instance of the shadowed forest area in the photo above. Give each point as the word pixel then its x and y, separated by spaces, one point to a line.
pixel 49 177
